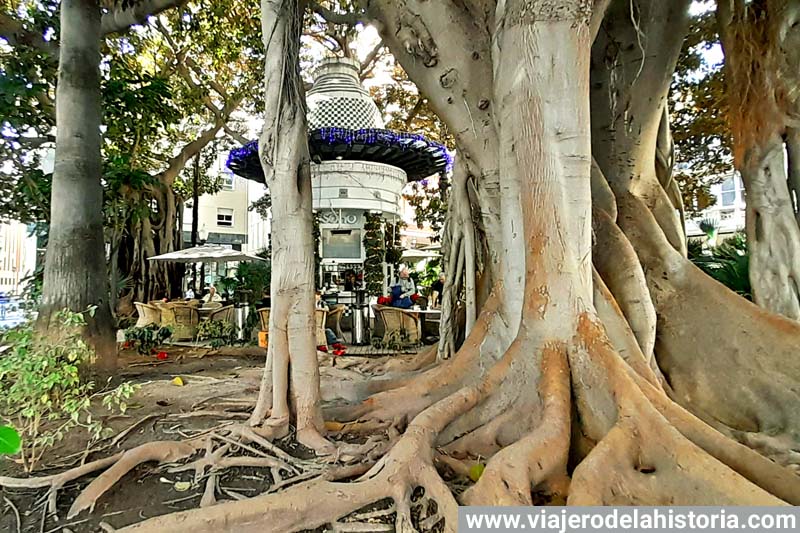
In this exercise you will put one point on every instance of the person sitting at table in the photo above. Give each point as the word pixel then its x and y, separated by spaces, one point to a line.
pixel 212 296
pixel 330 336
pixel 437 290
pixel 403 290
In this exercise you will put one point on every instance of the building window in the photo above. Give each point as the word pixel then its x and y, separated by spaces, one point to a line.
pixel 341 243
pixel 728 192
pixel 225 217
pixel 228 181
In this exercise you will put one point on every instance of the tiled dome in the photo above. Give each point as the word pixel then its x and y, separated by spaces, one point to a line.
pixel 337 99
pixel 344 124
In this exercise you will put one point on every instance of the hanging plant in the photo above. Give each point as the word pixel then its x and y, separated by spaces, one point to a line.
pixel 392 246
pixel 374 247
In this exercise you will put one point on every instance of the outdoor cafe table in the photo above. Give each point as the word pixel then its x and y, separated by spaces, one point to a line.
pixel 426 314
pixel 205 311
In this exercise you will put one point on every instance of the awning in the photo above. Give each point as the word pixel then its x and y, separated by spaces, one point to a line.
pixel 208 253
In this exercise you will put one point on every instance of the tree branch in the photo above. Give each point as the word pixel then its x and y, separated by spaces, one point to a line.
pixel 235 135
pixel 116 21
pixel 350 19
pixel 176 163
pixel 369 62
pixel 414 111
pixel 15 33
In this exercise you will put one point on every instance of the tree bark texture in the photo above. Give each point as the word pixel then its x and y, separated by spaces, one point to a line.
pixel 75 274
pixel 762 62
pixel 565 402
pixel 294 373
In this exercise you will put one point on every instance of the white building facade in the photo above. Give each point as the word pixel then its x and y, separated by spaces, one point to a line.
pixel 728 212
pixel 17 256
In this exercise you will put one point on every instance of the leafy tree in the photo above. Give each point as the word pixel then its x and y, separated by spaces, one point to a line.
pixel 698 114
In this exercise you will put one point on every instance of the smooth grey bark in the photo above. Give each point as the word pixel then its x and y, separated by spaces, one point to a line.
pixel 75 275
pixel 457 80
pixel 290 385
pixel 633 58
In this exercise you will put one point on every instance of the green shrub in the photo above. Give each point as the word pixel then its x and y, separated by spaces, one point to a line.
pixel 43 389
pixel 728 263
pixel 220 333
pixel 148 337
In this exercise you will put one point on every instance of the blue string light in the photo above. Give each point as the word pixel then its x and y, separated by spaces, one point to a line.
pixel 239 159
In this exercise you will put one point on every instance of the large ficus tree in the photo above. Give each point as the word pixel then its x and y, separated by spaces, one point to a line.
pixel 603 367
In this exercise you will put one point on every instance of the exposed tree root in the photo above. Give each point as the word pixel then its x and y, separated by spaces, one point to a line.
pixel 643 460
pixel 57 481
pixel 407 466
pixel 163 452
pixel 616 262
pixel 747 377
pixel 621 335
pixel 543 452
pixel 774 478
pixel 414 394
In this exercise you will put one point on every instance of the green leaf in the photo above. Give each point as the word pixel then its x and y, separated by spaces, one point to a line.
pixel 10 441
pixel 476 471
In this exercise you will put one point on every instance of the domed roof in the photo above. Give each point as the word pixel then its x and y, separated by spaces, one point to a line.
pixel 344 124
pixel 338 100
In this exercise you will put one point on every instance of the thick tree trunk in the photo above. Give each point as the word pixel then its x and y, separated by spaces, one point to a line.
pixel 773 236
pixel 761 69
pixel 76 275
pixel 294 373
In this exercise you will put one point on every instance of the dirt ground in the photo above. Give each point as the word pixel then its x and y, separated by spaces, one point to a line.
pixel 219 388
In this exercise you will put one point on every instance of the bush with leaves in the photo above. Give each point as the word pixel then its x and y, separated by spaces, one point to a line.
pixel 44 392
pixel 147 338
pixel 727 262
pixel 219 332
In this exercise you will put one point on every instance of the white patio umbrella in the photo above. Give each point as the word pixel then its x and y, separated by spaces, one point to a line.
pixel 207 253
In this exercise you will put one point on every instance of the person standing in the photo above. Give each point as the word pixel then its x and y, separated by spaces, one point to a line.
pixel 437 290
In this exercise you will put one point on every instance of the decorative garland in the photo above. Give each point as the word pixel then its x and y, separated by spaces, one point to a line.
pixel 374 246
pixel 431 157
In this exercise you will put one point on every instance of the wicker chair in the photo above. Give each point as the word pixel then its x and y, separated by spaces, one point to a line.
pixel 334 320
pixel 223 314
pixel 148 314
pixel 321 315
pixel 186 320
pixel 401 327
pixel 167 315
pixel 263 315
